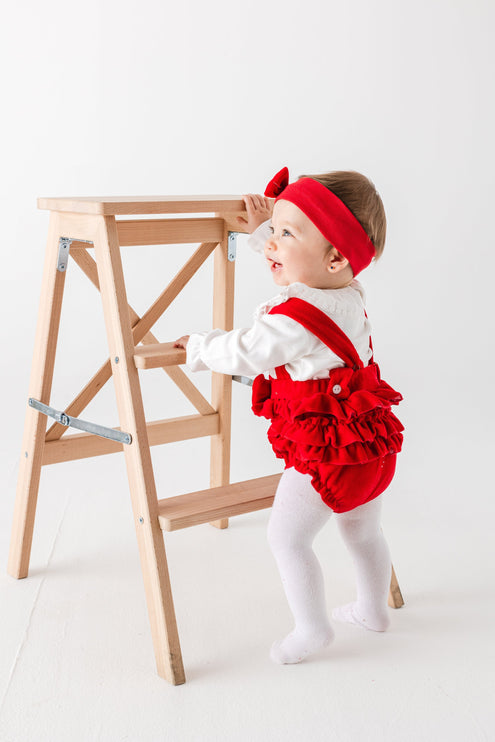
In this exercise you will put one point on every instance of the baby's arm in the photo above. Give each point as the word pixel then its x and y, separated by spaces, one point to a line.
pixel 272 341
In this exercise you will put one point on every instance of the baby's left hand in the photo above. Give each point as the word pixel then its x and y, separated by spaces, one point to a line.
pixel 259 208
pixel 181 342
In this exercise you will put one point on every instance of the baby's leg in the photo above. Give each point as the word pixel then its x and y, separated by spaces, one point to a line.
pixel 298 514
pixel 360 529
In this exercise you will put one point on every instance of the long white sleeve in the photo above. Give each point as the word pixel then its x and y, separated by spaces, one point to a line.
pixel 273 340
pixel 276 340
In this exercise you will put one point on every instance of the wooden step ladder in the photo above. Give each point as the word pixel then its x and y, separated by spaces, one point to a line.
pixel 76 226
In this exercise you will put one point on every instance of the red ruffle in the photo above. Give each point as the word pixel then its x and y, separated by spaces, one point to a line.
pixel 345 419
pixel 344 488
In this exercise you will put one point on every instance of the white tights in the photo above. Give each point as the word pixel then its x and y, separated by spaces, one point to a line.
pixel 298 514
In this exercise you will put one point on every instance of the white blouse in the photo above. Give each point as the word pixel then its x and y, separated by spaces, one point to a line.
pixel 276 340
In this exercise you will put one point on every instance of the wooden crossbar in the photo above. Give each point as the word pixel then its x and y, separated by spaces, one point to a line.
pixel 88 266
pixel 86 445
pixel 204 506
pixel 141 333
pixel 173 289
pixel 169 231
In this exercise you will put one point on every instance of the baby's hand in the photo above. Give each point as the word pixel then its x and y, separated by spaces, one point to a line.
pixel 259 209
pixel 181 342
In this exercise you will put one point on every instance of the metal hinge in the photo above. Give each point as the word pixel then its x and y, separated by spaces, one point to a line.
pixel 232 246
pixel 64 244
pixel 75 422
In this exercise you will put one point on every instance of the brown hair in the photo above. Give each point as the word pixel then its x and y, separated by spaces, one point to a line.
pixel 361 198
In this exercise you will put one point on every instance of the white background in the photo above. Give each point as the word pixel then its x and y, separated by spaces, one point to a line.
pixel 124 98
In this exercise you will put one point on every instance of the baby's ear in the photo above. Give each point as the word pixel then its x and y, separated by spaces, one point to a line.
pixel 336 261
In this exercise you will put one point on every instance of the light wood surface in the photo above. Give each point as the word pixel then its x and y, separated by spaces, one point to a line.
pixel 127 205
pixel 395 599
pixel 137 455
pixel 88 266
pixel 169 231
pixel 158 355
pixel 141 333
pixel 85 445
pixel 204 506
pixel 45 344
pixel 221 384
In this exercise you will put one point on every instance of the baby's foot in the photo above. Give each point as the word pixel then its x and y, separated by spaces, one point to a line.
pixel 350 614
pixel 297 646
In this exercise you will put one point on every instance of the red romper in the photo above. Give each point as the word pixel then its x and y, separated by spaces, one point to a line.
pixel 340 430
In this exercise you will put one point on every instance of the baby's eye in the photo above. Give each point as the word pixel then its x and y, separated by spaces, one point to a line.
pixel 284 232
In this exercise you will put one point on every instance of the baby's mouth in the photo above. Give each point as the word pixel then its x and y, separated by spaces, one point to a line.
pixel 274 266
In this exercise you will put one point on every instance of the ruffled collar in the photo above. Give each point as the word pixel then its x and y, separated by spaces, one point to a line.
pixel 348 300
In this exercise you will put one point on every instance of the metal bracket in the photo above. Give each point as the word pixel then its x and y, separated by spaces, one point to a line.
pixel 232 246
pixel 64 244
pixel 75 422
pixel 243 380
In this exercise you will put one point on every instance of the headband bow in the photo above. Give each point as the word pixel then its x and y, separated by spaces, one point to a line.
pixel 328 213
pixel 277 183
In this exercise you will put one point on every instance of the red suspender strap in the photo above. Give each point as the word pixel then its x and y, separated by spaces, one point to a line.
pixel 371 344
pixel 322 326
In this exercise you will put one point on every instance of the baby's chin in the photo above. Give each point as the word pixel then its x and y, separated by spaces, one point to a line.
pixel 281 281
pixel 279 277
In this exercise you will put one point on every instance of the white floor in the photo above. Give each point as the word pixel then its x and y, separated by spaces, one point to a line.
pixel 76 660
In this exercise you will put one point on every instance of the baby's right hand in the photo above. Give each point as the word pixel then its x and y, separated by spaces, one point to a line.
pixel 259 209
pixel 182 342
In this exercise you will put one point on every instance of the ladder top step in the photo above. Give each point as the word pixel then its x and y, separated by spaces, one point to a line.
pixel 157 355
pixel 205 506
pixel 115 205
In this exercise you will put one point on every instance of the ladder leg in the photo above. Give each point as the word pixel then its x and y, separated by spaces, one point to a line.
pixel 52 289
pixel 223 317
pixel 137 455
pixel 395 599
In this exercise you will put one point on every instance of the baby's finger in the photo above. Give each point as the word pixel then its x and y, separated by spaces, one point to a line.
pixel 255 200
pixel 250 203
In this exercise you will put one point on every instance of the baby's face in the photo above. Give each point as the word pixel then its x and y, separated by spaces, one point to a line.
pixel 296 251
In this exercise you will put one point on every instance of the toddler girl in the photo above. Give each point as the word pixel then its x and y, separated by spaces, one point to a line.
pixel 310 350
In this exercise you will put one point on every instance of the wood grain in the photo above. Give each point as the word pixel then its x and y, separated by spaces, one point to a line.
pixel 215 503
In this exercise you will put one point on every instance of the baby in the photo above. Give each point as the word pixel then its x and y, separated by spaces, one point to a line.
pixel 310 352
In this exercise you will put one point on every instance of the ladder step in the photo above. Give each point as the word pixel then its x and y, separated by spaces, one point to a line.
pixel 217 503
pixel 157 355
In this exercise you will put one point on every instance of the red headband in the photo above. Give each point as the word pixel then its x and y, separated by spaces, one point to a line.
pixel 329 214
